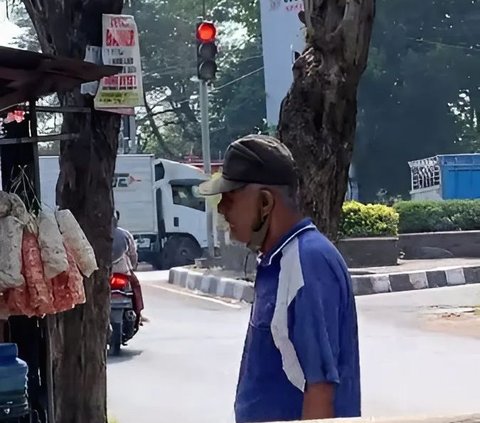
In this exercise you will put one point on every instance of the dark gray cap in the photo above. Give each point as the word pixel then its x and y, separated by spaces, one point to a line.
pixel 254 159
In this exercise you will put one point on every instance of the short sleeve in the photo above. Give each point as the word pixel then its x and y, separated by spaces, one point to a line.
pixel 316 311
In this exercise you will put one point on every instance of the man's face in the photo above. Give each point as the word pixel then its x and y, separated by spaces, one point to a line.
pixel 240 209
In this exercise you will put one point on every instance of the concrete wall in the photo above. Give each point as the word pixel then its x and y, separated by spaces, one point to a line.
pixel 369 252
pixel 461 244
pixel 424 194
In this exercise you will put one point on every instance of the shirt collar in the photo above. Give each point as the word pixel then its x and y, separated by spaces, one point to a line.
pixel 302 226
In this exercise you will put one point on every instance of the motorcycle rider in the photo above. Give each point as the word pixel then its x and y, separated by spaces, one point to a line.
pixel 125 261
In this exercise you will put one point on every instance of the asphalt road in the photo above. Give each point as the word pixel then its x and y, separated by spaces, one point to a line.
pixel 183 365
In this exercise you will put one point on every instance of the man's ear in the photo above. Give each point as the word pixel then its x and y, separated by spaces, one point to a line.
pixel 267 202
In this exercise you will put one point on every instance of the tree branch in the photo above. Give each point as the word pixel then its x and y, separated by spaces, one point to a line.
pixel 155 129
pixel 153 114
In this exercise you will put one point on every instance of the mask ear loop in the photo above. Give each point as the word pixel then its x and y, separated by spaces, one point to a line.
pixel 259 233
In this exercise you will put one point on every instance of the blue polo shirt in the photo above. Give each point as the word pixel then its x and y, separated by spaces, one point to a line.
pixel 302 330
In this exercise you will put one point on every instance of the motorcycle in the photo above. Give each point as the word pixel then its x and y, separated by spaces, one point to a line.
pixel 124 321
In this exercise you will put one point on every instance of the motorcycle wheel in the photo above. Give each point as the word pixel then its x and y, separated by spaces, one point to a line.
pixel 116 339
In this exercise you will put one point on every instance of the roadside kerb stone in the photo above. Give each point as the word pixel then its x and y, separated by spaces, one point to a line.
pixel 211 284
pixel 410 281
pixel 379 283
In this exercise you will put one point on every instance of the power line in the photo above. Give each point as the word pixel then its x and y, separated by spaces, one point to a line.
pixel 439 43
pixel 233 81
pixel 177 70
pixel 238 79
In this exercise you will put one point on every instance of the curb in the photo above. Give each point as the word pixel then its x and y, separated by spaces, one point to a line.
pixel 411 281
pixel 362 285
pixel 210 284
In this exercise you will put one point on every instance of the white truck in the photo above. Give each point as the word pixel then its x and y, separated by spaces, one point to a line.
pixel 157 202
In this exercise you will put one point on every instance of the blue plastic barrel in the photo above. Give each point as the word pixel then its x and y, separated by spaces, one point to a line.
pixel 13 371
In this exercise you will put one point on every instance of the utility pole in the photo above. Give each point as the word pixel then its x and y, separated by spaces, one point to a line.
pixel 207 166
pixel 206 69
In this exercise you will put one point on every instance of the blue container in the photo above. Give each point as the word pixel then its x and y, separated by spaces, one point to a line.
pixel 13 371
pixel 460 175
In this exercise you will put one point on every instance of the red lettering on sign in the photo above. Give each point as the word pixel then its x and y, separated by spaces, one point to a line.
pixel 120 37
pixel 119 22
pixel 120 81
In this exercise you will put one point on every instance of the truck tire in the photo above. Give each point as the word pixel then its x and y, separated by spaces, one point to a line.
pixel 180 251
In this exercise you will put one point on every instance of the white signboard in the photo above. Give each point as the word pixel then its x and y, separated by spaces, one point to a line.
pixel 120 48
pixel 282 35
pixel 93 54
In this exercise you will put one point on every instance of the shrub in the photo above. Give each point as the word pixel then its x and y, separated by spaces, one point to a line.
pixel 437 216
pixel 367 220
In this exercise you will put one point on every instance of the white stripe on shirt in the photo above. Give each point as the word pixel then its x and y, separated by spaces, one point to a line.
pixel 290 281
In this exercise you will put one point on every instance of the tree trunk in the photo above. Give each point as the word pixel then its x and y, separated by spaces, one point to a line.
pixel 318 115
pixel 78 338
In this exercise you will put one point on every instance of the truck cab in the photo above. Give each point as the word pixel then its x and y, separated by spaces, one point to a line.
pixel 181 216
pixel 157 202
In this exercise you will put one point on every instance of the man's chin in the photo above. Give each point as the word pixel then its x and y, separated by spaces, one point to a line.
pixel 238 239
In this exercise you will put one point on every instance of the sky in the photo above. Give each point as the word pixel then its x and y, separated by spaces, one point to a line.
pixel 8 30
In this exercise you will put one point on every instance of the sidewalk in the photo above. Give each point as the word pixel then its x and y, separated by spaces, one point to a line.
pixel 408 275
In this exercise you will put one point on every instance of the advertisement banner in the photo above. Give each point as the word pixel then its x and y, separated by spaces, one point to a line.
pixel 120 48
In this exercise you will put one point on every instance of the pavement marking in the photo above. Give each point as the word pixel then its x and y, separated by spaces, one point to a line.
pixel 197 296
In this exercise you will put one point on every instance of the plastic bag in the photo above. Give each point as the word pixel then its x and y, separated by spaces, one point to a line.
pixel 5 204
pixel 75 281
pixel 18 301
pixel 54 256
pixel 4 311
pixel 18 209
pixel 39 288
pixel 11 232
pixel 77 242
pixel 62 297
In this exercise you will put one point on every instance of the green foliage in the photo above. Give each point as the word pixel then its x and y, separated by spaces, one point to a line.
pixel 419 95
pixel 434 216
pixel 171 125
pixel 367 220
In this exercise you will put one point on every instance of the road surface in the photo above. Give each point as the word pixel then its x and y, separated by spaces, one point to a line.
pixel 182 367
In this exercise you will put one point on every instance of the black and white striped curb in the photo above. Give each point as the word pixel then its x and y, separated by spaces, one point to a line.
pixel 362 284
pixel 410 281
pixel 210 284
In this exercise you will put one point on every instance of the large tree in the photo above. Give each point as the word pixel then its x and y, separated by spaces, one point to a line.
pixel 318 115
pixel 65 27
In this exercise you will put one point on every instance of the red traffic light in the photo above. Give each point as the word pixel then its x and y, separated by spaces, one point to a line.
pixel 206 32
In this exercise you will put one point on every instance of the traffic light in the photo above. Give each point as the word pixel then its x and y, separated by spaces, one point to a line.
pixel 206 50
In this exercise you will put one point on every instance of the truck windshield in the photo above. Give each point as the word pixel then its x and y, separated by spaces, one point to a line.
pixel 187 196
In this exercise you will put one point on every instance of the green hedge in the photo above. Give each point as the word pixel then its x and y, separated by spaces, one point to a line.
pixel 437 216
pixel 367 220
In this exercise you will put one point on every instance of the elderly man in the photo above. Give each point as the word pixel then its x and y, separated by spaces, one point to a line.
pixel 301 358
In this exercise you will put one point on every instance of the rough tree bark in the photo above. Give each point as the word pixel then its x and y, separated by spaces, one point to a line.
pixel 318 115
pixel 78 338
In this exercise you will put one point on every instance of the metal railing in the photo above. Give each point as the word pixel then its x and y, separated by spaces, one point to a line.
pixel 425 173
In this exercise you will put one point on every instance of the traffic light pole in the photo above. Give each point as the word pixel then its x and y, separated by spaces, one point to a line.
pixel 207 166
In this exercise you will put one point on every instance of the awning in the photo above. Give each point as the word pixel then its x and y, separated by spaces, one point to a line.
pixel 26 75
